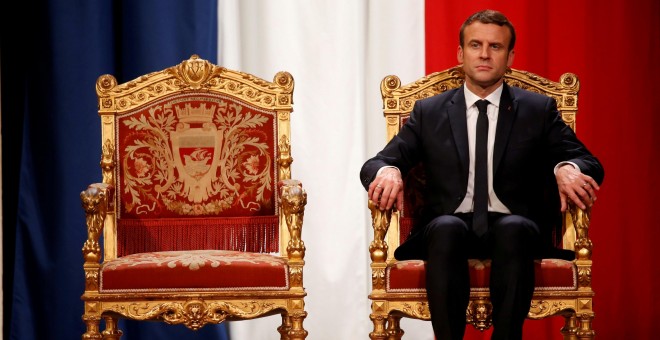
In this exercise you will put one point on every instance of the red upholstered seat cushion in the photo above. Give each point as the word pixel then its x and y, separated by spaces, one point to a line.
pixel 195 269
pixel 551 274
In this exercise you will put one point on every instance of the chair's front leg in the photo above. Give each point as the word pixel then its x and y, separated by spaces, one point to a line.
pixel 394 331
pixel 297 332
pixel 285 327
pixel 379 332
pixel 569 331
pixel 111 332
pixel 585 332
pixel 92 323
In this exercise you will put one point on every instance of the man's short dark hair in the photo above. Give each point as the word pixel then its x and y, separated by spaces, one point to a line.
pixel 489 16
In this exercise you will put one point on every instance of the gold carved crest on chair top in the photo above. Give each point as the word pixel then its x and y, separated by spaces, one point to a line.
pixel 195 74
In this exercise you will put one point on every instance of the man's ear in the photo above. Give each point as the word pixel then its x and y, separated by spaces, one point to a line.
pixel 459 54
pixel 509 61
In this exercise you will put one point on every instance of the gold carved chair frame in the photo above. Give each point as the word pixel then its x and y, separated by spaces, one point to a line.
pixel 190 307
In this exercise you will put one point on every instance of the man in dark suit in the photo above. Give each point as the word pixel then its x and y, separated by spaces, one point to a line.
pixel 484 186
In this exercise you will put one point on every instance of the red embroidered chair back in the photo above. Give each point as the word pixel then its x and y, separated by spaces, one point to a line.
pixel 199 150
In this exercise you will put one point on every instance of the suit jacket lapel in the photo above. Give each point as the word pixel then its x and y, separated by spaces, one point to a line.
pixel 458 122
pixel 505 118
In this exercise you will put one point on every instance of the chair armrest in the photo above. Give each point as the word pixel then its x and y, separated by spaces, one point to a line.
pixel 576 232
pixel 576 236
pixel 380 220
pixel 293 199
pixel 96 200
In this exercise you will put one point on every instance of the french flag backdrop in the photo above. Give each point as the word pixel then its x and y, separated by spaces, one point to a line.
pixel 337 51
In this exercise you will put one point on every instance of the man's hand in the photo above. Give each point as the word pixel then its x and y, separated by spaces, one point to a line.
pixel 576 186
pixel 387 188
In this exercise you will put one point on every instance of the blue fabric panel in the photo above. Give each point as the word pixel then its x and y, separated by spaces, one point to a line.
pixel 55 131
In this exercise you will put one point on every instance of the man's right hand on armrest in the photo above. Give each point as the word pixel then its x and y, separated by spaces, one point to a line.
pixel 387 188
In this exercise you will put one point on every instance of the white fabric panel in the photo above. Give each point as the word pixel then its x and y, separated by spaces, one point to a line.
pixel 338 52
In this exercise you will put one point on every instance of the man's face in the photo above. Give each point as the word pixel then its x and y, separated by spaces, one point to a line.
pixel 485 56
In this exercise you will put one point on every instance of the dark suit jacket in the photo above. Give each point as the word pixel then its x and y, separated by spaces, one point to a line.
pixel 531 138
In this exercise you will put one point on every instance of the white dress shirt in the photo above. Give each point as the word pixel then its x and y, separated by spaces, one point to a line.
pixel 494 204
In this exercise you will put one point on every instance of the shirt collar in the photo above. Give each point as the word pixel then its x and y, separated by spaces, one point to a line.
pixel 493 98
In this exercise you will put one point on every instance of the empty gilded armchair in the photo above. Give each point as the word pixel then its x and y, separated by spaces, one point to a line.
pixel 196 220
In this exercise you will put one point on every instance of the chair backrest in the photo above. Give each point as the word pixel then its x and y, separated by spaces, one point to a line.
pixel 398 102
pixel 195 153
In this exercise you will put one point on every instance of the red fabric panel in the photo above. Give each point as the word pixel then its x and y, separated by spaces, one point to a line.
pixel 196 154
pixel 409 276
pixel 258 234
pixel 195 270
pixel 613 48
pixel 405 226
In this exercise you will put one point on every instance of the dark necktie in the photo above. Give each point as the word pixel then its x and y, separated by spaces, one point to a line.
pixel 480 218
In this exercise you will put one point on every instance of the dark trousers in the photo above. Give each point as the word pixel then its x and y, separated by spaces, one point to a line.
pixel 510 243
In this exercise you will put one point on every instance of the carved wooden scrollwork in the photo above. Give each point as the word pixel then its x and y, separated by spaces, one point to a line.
pixel 584 277
pixel 108 162
pixel 389 84
pixel 195 73
pixel 284 161
pixel 193 314
pixel 378 278
pixel 105 83
pixel 419 310
pixel 296 276
pixel 544 308
pixel 240 89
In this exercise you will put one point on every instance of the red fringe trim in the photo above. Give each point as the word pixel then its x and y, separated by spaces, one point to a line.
pixel 258 234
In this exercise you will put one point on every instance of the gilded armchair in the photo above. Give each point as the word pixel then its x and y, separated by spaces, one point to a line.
pixel 196 220
pixel 563 284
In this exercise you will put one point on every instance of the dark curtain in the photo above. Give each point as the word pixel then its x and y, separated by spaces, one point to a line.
pixel 614 49
pixel 52 52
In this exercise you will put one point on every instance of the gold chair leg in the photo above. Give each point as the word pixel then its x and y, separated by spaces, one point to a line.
pixel 92 323
pixel 284 328
pixel 111 332
pixel 585 332
pixel 297 332
pixel 379 332
pixel 569 331
pixel 394 331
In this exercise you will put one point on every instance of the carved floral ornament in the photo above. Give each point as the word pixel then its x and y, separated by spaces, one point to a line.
pixel 193 313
